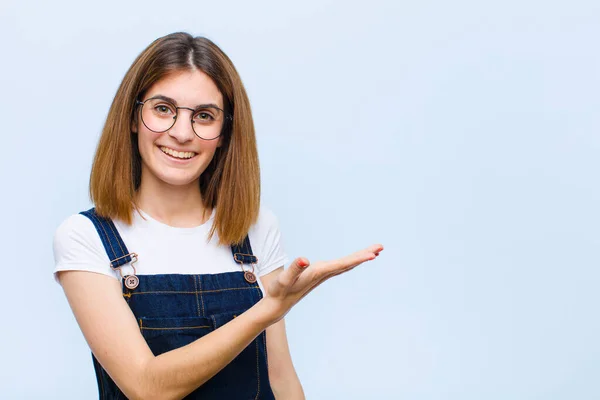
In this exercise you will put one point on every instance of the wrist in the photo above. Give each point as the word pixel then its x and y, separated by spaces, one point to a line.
pixel 268 311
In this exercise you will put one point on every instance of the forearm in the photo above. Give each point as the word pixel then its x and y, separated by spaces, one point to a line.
pixel 282 374
pixel 290 389
pixel 175 374
pixel 113 334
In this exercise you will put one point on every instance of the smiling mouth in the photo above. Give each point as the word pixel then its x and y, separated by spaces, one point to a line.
pixel 182 155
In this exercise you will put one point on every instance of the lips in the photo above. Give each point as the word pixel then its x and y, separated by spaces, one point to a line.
pixel 182 155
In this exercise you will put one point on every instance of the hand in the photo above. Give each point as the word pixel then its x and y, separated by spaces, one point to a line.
pixel 301 278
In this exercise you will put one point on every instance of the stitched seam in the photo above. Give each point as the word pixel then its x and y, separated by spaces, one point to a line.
pixel 106 235
pixel 101 231
pixel 257 372
pixel 116 235
pixel 265 344
pixel 183 292
pixel 196 287
pixel 174 328
pixel 201 298
pixel 95 221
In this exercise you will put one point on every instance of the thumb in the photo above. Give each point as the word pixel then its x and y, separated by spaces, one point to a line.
pixel 291 274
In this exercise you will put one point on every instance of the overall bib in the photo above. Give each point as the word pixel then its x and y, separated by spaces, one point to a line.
pixel 174 310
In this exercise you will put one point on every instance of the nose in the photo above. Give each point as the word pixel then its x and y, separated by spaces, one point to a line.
pixel 182 130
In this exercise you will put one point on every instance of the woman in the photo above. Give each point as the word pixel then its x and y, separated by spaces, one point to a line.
pixel 162 274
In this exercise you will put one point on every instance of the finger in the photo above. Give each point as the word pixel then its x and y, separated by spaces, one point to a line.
pixel 291 274
pixel 328 270
pixel 356 258
pixel 376 248
pixel 348 262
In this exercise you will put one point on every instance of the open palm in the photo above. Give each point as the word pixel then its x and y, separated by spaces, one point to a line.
pixel 301 277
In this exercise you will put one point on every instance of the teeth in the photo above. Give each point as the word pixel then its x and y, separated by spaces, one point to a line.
pixel 178 154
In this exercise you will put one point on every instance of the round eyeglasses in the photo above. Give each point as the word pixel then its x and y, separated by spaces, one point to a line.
pixel 159 114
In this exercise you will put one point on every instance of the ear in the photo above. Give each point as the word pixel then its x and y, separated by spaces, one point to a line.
pixel 134 125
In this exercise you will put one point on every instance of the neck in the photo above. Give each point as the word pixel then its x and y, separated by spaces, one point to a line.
pixel 178 206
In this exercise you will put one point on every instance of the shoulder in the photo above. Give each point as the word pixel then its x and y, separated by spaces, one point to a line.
pixel 266 223
pixel 266 218
pixel 77 246
pixel 75 227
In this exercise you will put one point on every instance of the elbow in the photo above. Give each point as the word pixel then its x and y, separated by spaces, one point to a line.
pixel 146 390
pixel 150 384
pixel 142 388
pixel 141 392
pixel 148 394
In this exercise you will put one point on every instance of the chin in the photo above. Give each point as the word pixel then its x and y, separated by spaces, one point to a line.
pixel 170 177
pixel 178 180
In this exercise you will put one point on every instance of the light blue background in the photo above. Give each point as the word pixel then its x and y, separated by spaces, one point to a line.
pixel 462 135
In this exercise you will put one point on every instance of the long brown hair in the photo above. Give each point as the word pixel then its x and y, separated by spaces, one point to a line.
pixel 230 183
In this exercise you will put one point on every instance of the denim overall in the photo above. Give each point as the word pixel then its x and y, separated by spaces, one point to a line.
pixel 174 310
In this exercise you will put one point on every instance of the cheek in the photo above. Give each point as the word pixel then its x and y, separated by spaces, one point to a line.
pixel 146 142
pixel 147 138
pixel 209 146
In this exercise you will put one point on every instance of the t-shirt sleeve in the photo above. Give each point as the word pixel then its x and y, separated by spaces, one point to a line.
pixel 77 247
pixel 267 244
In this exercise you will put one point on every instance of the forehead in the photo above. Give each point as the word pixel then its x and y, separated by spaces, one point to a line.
pixel 188 88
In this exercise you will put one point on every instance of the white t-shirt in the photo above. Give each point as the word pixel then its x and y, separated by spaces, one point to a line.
pixel 163 249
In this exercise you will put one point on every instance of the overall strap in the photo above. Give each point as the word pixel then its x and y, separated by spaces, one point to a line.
pixel 119 255
pixel 242 252
pixel 111 239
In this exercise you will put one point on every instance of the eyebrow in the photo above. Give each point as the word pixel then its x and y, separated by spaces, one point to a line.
pixel 173 101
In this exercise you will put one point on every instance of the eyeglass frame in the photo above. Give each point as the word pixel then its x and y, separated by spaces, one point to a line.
pixel 226 117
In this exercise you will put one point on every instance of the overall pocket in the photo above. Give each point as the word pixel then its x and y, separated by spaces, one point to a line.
pixel 165 334
pixel 240 379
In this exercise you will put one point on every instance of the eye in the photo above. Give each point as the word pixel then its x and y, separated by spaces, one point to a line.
pixel 163 109
pixel 204 116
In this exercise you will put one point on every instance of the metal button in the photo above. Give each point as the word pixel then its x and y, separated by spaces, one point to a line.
pixel 250 277
pixel 131 282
